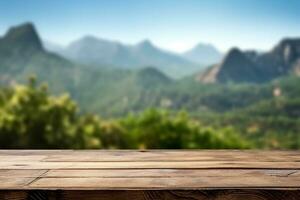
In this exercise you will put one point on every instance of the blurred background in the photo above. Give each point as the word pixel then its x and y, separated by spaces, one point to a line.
pixel 134 74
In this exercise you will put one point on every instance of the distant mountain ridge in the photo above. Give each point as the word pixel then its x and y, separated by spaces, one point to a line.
pixel 90 50
pixel 23 55
pixel 252 67
pixel 206 54
pixel 22 51
pixel 115 92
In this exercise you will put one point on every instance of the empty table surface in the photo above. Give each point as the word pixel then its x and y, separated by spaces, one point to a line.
pixel 261 173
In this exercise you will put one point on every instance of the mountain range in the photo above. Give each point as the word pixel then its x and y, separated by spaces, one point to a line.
pixel 90 50
pixel 252 67
pixel 206 54
pixel 117 91
pixel 22 55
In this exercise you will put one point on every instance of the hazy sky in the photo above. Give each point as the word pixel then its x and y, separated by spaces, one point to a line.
pixel 172 24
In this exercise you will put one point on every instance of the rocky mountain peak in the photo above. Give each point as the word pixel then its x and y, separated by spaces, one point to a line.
pixel 24 35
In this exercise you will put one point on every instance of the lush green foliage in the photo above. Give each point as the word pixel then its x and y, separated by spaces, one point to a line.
pixel 30 118
pixel 160 129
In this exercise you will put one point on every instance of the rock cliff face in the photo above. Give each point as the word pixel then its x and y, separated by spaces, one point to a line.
pixel 238 66
pixel 23 37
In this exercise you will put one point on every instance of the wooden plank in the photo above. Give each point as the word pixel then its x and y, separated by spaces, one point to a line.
pixel 152 195
pixel 145 183
pixel 126 153
pixel 139 170
pixel 16 183
pixel 9 158
pixel 32 178
pixel 158 155
pixel 149 165
pixel 21 173
pixel 18 178
pixel 171 157
pixel 180 195
pixel 13 195
pixel 102 173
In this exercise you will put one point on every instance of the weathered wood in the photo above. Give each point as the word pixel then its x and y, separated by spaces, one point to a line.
pixel 149 175
pixel 166 183
pixel 186 195
pixel 152 195
pixel 121 173
pixel 13 195
pixel 153 155
pixel 11 173
pixel 159 179
pixel 150 165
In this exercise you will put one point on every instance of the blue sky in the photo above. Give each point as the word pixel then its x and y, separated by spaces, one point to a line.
pixel 172 24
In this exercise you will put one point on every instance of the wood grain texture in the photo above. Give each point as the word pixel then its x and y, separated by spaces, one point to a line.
pixel 149 165
pixel 121 173
pixel 152 195
pixel 149 171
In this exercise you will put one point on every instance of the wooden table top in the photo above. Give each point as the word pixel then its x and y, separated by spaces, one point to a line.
pixel 148 170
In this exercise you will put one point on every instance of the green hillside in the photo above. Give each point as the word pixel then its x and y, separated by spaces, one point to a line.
pixel 22 55
pixel 56 123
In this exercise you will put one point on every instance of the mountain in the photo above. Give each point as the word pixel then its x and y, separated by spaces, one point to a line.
pixel 102 90
pixel 22 54
pixel 235 67
pixel 253 67
pixel 93 51
pixel 18 45
pixel 90 50
pixel 21 38
pixel 205 54
pixel 283 59
pixel 114 92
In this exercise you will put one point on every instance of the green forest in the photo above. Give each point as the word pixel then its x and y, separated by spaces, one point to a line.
pixel 31 117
